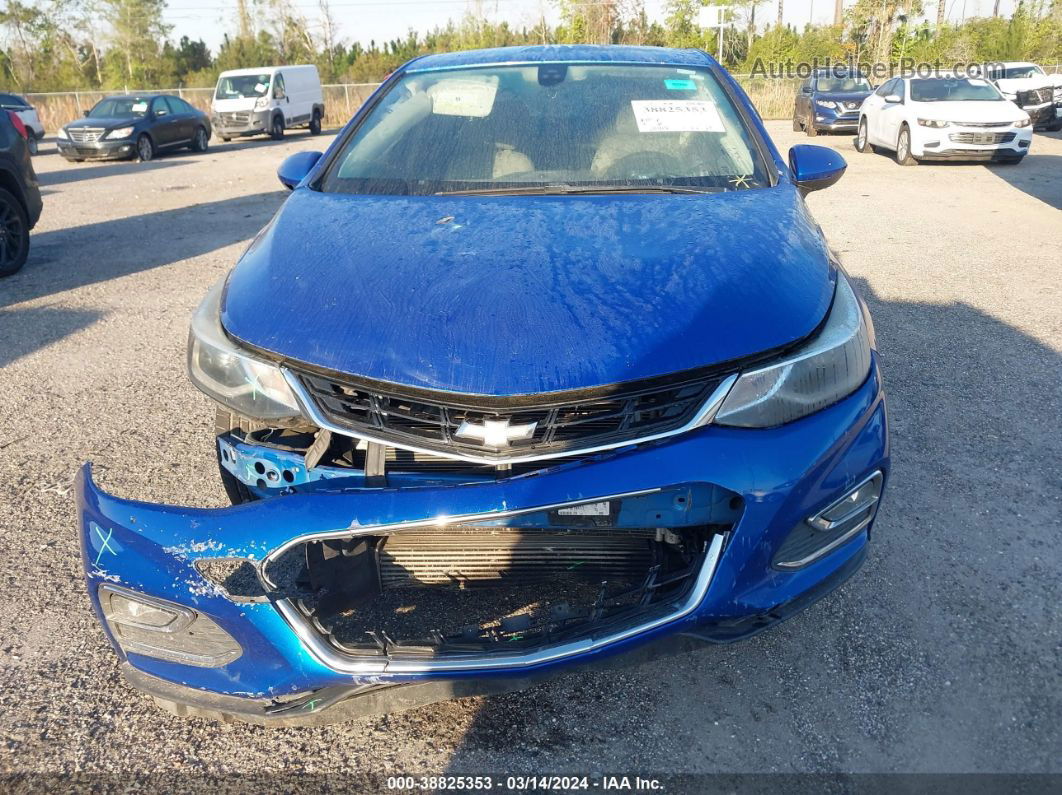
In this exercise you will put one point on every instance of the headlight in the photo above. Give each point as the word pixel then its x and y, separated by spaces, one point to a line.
pixel 830 367
pixel 235 378
pixel 933 123
pixel 62 133
pixel 120 132
pixel 261 103
pixel 1023 122
pixel 825 103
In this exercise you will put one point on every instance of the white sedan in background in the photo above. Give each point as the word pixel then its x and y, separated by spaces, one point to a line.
pixel 943 118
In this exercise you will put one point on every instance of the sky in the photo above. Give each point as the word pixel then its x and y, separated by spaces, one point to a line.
pixel 383 20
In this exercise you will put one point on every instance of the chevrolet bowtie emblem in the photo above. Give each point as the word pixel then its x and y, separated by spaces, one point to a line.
pixel 495 433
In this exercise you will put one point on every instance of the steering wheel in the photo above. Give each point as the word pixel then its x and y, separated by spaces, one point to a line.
pixel 644 165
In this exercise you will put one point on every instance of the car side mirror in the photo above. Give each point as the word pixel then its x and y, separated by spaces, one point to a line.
pixel 295 168
pixel 893 99
pixel 806 90
pixel 815 167
pixel 85 113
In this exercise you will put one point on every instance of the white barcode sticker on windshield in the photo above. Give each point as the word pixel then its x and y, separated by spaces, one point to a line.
pixel 464 96
pixel 590 509
pixel 676 115
pixel 139 107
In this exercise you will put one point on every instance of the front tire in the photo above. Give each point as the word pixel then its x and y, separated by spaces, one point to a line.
pixel 145 148
pixel 276 131
pixel 14 234
pixel 903 148
pixel 199 140
pixel 862 141
pixel 315 123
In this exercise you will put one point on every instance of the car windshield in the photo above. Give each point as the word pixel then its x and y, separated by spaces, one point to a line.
pixel 550 128
pixel 1015 72
pixel 240 86
pixel 120 108
pixel 842 84
pixel 943 89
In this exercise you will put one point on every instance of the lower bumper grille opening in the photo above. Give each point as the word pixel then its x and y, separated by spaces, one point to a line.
pixel 461 590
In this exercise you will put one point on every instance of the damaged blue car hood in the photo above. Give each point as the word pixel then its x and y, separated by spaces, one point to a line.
pixel 526 294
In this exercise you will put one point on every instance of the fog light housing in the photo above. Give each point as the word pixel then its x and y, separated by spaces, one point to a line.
pixel 839 522
pixel 157 628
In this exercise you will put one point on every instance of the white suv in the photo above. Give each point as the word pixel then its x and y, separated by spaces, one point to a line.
pixel 943 118
pixel 21 108
pixel 1026 85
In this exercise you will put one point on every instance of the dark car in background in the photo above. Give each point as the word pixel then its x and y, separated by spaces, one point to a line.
pixel 138 125
pixel 20 196
pixel 829 100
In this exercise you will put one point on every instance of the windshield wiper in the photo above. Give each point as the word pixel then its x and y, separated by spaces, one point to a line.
pixel 564 190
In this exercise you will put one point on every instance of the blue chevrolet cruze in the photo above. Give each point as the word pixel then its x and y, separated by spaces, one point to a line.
pixel 543 360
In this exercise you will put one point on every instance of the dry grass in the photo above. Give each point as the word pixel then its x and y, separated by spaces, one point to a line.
pixel 772 98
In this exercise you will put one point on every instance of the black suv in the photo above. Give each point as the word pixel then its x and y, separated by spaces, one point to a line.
pixel 20 196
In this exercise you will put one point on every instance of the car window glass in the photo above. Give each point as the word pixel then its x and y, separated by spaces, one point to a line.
pixel 883 89
pixel 159 107
pixel 618 125
pixel 119 108
pixel 173 104
pixel 842 84
pixel 242 86
pixel 184 106
pixel 952 89
pixel 278 86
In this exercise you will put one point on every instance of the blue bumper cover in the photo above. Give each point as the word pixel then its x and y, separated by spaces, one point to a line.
pixel 783 475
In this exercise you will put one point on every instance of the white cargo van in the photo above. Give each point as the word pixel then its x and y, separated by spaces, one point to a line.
pixel 268 99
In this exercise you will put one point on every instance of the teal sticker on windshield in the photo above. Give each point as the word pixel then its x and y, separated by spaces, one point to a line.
pixel 680 85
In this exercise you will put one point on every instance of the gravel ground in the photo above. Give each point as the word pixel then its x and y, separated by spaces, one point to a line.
pixel 943 654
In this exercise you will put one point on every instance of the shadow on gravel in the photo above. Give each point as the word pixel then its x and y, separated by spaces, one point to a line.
pixel 25 331
pixel 956 598
pixel 77 256
pixel 110 169
pixel 1037 176
pixel 311 142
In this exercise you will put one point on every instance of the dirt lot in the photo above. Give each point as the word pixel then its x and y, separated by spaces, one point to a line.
pixel 943 654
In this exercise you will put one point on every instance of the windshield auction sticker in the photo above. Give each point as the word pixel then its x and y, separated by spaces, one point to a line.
pixel 676 115
pixel 464 96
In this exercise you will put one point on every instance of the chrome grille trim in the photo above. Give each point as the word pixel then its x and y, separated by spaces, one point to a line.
pixel 84 135
pixel 982 138
pixel 703 416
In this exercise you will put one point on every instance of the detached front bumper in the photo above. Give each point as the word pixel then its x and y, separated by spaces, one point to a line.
pixel 782 476
pixel 97 150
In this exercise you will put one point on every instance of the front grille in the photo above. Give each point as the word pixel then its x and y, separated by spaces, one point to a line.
pixel 236 117
pixel 554 423
pixel 1035 96
pixel 985 124
pixel 982 138
pixel 852 105
pixel 83 135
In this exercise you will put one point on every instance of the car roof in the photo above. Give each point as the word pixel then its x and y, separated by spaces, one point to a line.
pixel 138 96
pixel 261 70
pixel 565 53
